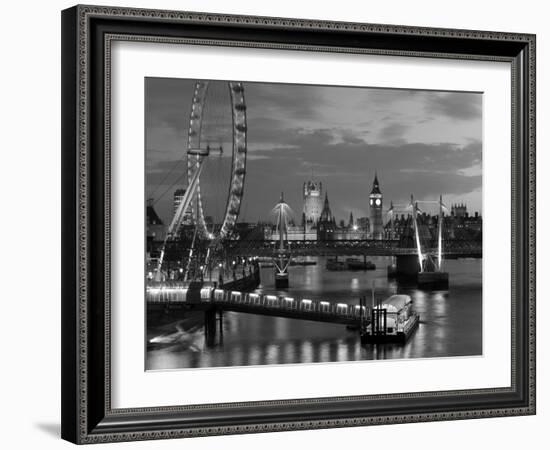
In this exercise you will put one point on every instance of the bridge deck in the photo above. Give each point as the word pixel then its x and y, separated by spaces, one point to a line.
pixel 451 248
pixel 209 298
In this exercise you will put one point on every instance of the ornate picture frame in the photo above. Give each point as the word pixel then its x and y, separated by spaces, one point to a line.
pixel 88 33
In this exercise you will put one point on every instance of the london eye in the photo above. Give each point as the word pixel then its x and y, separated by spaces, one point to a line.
pixel 217 147
pixel 216 164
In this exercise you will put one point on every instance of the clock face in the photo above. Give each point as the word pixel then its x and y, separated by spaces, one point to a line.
pixel 371 202
pixel 378 202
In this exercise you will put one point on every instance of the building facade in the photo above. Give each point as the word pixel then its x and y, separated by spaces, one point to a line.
pixel 326 226
pixel 459 210
pixel 313 204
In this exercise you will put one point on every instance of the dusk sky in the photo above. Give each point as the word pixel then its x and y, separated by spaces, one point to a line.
pixel 422 142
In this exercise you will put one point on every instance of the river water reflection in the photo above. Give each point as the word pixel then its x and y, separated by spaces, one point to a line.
pixel 450 323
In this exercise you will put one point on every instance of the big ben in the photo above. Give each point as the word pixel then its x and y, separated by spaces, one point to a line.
pixel 375 203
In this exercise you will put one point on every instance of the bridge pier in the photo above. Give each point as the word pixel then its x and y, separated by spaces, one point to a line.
pixel 210 324
pixel 281 279
pixel 434 280
pixel 406 266
pixel 282 263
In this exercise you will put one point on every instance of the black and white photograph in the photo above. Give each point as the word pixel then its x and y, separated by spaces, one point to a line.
pixel 293 223
pixel 275 225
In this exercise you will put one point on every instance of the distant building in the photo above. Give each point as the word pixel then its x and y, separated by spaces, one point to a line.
pixel 376 204
pixel 319 223
pixel 459 210
pixel 326 226
pixel 351 231
pixel 156 230
pixel 313 204
pixel 178 198
pixel 363 224
pixel 461 227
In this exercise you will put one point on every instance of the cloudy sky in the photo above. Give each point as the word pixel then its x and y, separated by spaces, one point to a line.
pixel 422 142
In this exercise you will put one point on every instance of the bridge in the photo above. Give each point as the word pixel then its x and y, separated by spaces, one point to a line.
pixel 201 297
pixel 452 248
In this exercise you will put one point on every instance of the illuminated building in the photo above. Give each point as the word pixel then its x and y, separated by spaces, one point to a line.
pixel 375 204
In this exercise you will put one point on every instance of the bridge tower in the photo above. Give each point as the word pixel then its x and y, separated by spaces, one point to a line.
pixel 375 204
pixel 281 257
pixel 431 272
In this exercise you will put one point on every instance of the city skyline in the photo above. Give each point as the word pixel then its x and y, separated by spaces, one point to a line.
pixel 299 211
pixel 422 142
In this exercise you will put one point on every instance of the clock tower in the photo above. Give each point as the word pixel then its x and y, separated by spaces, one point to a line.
pixel 375 204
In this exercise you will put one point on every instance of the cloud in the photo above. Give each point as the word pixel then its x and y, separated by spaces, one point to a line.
pixel 393 132
pixel 455 105
pixel 342 135
pixel 167 103
pixel 347 169
pixel 288 101
pixel 350 137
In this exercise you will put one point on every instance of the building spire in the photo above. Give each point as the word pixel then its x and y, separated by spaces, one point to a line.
pixel 326 214
pixel 376 184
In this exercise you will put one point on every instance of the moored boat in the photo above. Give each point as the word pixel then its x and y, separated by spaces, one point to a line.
pixel 393 320
pixel 335 264
pixel 357 264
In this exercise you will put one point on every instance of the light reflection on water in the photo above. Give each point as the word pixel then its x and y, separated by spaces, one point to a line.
pixel 451 323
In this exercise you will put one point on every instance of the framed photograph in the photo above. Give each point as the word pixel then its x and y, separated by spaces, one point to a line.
pixel 277 224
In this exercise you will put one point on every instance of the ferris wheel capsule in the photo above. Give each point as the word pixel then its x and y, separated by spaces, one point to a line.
pixel 198 151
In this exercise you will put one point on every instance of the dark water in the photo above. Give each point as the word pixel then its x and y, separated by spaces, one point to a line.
pixel 450 323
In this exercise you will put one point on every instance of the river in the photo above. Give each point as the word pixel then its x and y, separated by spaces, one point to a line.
pixel 450 322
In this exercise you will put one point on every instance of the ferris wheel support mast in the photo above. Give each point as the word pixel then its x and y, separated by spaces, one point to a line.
pixel 179 214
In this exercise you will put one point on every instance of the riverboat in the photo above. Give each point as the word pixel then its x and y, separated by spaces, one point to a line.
pixel 392 321
pixel 357 264
pixel 335 264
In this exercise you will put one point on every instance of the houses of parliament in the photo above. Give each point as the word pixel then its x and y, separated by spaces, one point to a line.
pixel 319 223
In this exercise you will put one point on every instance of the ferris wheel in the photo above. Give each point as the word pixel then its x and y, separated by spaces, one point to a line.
pixel 217 123
pixel 216 150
